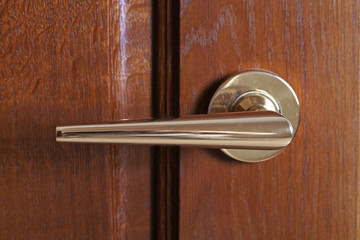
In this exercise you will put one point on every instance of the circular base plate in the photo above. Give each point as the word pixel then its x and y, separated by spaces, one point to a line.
pixel 249 81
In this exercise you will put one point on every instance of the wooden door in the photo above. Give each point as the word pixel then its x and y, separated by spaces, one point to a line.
pixel 311 190
pixel 66 62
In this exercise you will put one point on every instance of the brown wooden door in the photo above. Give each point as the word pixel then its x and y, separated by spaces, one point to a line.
pixel 68 62
pixel 311 190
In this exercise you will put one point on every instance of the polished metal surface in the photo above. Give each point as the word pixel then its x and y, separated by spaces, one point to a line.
pixel 256 91
pixel 263 130
pixel 255 101
pixel 252 117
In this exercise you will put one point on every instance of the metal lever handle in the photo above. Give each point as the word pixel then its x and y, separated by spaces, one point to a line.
pixel 263 130
pixel 244 120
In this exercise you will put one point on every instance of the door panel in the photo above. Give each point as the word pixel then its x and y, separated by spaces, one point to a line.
pixel 310 191
pixel 66 62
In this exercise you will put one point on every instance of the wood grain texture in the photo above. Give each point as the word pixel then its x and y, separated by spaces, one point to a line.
pixel 166 95
pixel 66 62
pixel 311 190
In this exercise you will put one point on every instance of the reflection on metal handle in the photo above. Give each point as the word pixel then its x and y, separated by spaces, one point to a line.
pixel 243 120
pixel 263 130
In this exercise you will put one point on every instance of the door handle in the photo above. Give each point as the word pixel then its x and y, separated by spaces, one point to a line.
pixel 248 122
pixel 246 130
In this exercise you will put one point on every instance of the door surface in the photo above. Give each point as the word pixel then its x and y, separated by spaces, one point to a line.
pixel 311 190
pixel 65 62
pixel 71 62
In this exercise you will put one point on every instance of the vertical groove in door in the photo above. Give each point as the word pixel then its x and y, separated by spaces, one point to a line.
pixel 166 74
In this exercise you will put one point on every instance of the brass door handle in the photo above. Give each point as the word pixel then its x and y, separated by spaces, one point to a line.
pixel 249 123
